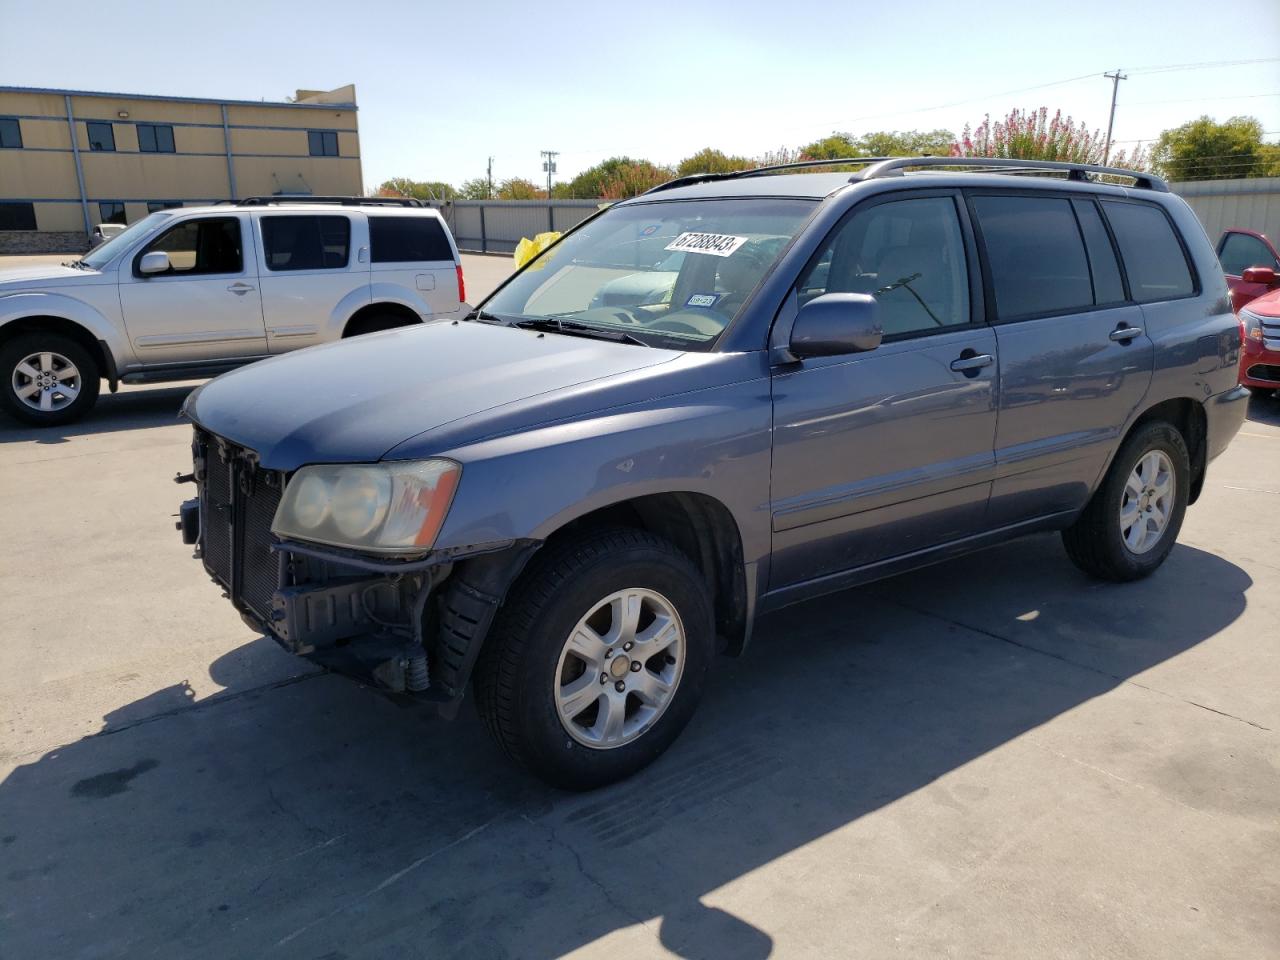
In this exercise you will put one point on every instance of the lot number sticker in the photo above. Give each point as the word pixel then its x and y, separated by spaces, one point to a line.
pixel 716 244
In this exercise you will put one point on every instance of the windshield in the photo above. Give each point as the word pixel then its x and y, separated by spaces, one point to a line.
pixel 99 256
pixel 671 274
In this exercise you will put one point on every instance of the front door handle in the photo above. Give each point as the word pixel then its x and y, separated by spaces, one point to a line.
pixel 974 361
pixel 1125 334
pixel 240 289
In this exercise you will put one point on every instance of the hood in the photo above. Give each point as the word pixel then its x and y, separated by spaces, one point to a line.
pixel 354 400
pixel 42 276
pixel 1267 305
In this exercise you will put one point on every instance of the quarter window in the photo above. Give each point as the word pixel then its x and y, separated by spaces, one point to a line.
pixel 17 216
pixel 111 211
pixel 909 254
pixel 1107 285
pixel 211 245
pixel 102 137
pixel 408 240
pixel 10 133
pixel 1240 251
pixel 155 138
pixel 322 143
pixel 1035 255
pixel 1153 257
pixel 306 242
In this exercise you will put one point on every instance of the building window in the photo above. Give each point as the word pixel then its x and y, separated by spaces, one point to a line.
pixel 155 138
pixel 10 133
pixel 101 136
pixel 17 216
pixel 111 211
pixel 154 206
pixel 322 143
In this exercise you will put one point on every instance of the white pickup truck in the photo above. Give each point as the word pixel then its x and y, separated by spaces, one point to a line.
pixel 195 291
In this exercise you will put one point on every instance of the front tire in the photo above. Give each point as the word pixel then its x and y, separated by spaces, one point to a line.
pixel 48 379
pixel 1133 519
pixel 598 658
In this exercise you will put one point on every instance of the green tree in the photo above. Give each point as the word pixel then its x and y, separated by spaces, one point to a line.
pixel 634 179
pixel 835 146
pixel 906 143
pixel 710 160
pixel 1205 150
pixel 475 189
pixel 518 188
pixel 590 182
pixel 426 190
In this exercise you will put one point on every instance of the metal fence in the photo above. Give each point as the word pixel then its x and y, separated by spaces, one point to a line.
pixel 1252 203
pixel 496 226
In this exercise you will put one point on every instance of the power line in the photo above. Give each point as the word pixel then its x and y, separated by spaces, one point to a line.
pixel 1241 96
pixel 1204 64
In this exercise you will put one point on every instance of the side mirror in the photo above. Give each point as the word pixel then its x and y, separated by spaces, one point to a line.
pixel 154 261
pixel 835 324
pixel 1263 275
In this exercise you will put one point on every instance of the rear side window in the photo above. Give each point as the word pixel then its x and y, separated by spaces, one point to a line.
pixel 1035 254
pixel 1153 257
pixel 306 242
pixel 1107 286
pixel 408 239
pixel 1240 251
pixel 194 247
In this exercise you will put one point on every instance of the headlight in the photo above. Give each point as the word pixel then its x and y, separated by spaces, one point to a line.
pixel 1252 326
pixel 382 507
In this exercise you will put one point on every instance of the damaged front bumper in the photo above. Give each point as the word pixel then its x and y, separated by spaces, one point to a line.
pixel 411 628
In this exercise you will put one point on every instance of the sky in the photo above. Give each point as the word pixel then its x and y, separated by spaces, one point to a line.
pixel 444 86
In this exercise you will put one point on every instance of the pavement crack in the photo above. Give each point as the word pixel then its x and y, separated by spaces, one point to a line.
pixel 1075 663
pixel 595 881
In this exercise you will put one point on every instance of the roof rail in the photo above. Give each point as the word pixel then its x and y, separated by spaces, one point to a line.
pixel 341 201
pixel 760 171
pixel 894 166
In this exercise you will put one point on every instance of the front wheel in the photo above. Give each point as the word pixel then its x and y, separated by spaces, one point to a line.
pixel 49 379
pixel 598 658
pixel 1133 519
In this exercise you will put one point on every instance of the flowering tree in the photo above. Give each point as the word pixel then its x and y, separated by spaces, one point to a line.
pixel 1037 136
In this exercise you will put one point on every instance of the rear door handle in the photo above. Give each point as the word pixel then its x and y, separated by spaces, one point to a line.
pixel 975 362
pixel 1125 334
pixel 240 289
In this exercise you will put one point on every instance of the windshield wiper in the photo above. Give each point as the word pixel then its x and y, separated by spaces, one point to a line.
pixel 484 316
pixel 573 329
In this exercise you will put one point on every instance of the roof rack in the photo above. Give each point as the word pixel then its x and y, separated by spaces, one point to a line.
pixel 340 201
pixel 879 167
pixel 894 166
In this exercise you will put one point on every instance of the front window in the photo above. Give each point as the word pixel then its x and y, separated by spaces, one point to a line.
pixel 671 274
pixel 101 255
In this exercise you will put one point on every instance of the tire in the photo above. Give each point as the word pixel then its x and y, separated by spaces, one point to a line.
pixel 376 323
pixel 528 670
pixel 28 358
pixel 1099 543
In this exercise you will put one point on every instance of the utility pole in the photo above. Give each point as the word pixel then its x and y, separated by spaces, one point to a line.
pixel 549 165
pixel 488 191
pixel 1115 79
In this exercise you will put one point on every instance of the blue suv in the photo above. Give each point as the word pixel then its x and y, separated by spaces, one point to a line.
pixel 730 394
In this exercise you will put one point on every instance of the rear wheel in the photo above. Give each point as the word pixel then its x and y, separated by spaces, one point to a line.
pixel 1133 519
pixel 598 658
pixel 49 379
pixel 376 322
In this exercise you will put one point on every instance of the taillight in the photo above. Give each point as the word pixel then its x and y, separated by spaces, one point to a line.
pixel 462 286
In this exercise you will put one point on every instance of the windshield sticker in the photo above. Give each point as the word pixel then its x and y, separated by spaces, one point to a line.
pixel 650 230
pixel 702 300
pixel 716 244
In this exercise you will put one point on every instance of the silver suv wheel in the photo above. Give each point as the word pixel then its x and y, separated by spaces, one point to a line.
pixel 46 381
pixel 1148 500
pixel 619 668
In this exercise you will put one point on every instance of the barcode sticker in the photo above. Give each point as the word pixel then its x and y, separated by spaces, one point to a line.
pixel 716 244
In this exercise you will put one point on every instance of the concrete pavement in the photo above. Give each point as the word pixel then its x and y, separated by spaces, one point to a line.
pixel 993 757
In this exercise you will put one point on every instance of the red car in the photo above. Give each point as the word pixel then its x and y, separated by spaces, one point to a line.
pixel 1251 264
pixel 1260 358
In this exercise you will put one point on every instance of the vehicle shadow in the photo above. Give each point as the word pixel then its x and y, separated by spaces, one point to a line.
pixel 314 818
pixel 133 408
pixel 1264 410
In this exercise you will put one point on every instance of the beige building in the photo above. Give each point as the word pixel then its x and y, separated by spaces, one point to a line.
pixel 71 159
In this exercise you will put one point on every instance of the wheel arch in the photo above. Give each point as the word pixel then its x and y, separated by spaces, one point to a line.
pixel 1187 416
pixel 381 308
pixel 43 323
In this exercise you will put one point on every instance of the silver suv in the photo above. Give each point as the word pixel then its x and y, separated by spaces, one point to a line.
pixel 197 291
